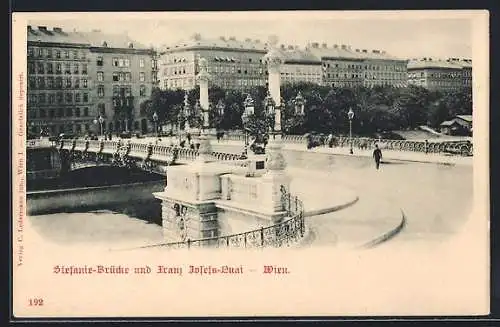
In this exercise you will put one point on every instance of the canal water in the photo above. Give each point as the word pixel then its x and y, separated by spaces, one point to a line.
pixel 131 221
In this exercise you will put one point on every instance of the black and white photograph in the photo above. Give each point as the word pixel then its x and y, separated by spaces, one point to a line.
pixel 231 149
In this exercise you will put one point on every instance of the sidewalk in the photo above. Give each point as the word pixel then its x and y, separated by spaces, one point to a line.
pixel 387 154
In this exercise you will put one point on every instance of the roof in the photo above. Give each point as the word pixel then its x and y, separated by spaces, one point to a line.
pixel 465 117
pixel 94 38
pixel 429 63
pixel 312 52
pixel 448 123
pixel 197 41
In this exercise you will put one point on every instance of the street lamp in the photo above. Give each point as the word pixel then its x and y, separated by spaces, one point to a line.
pixel 155 120
pixel 101 120
pixel 269 105
pixel 350 115
pixel 299 104
pixel 249 110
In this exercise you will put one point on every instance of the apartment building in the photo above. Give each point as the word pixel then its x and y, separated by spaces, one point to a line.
pixel 75 77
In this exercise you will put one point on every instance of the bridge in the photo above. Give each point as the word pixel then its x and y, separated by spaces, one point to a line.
pixel 77 154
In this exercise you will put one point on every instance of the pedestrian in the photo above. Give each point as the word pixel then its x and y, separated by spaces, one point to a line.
pixel 377 155
pixel 426 145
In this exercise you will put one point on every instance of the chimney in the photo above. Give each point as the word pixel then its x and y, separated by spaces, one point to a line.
pixel 232 38
pixel 335 46
pixel 315 45
pixel 290 47
pixel 375 51
pixel 222 38
pixel 344 46
pixel 248 39
pixel 57 29
pixel 365 51
pixel 42 28
pixel 357 50
pixel 324 46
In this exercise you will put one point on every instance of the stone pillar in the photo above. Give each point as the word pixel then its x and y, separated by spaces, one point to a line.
pixel 203 78
pixel 276 176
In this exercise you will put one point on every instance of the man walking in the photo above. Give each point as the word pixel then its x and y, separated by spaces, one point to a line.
pixel 377 155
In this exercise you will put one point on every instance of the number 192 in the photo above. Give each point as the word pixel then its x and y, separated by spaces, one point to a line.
pixel 36 302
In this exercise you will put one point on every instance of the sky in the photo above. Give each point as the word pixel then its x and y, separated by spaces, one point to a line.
pixel 402 34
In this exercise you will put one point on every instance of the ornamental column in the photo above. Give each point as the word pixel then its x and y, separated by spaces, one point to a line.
pixel 203 77
pixel 275 177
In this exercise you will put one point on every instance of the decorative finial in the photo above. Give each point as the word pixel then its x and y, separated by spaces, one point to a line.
pixel 203 64
pixel 273 40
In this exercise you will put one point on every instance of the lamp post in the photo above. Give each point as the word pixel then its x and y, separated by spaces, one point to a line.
pixel 299 104
pixel 155 120
pixel 249 110
pixel 270 112
pixel 350 115
pixel 101 120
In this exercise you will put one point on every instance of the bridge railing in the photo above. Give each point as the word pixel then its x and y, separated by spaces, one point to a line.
pixel 284 233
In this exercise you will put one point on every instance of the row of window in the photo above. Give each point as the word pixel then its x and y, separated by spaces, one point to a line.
pixel 369 76
pixel 122 62
pixel 124 91
pixel 56 53
pixel 121 76
pixel 57 82
pixel 366 67
pixel 58 112
pixel 58 97
pixel 56 68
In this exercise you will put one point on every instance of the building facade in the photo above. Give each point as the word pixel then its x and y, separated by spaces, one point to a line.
pixel 76 77
pixel 440 75
pixel 238 64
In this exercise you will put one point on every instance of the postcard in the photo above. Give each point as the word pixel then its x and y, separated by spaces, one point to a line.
pixel 250 164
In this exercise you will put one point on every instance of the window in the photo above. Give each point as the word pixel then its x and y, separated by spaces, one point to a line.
pixel 115 77
pixel 78 98
pixel 128 91
pixel 128 77
pixel 58 54
pixel 100 91
pixel 127 62
pixel 100 61
pixel 121 76
pixel 85 83
pixel 142 77
pixel 120 62
pixel 42 113
pixel 41 98
pixel 100 76
pixel 50 82
pixel 69 112
pixel 75 55
pixel 60 112
pixel 66 54
pixel 31 68
pixel 38 52
pixel 77 83
pixel 30 52
pixel 50 68
pixel 59 97
pixel 41 82
pixel 68 82
pixel 85 97
pixel 115 62
pixel 69 97
pixel 84 69
pixel 78 126
pixel 86 113
pixel 41 68
pixel 58 68
pixel 67 68
pixel 141 63
pixel 32 82
pixel 76 69
pixel 142 90
pixel 84 55
pixel 52 98
pixel 101 107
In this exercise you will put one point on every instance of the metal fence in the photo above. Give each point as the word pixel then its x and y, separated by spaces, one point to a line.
pixel 282 234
